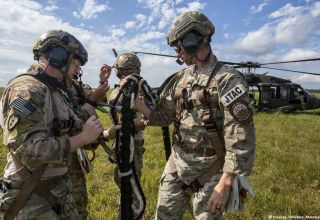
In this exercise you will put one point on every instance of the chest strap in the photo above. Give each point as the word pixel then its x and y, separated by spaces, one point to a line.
pixel 210 110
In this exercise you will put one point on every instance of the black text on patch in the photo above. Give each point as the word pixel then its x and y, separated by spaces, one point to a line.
pixel 232 95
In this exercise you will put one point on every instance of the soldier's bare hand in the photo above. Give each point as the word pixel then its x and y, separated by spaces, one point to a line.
pixel 92 129
pixel 138 102
pixel 218 198
pixel 111 132
pixel 139 124
pixel 105 72
pixel 100 92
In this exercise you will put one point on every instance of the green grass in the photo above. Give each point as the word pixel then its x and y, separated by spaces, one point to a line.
pixel 286 175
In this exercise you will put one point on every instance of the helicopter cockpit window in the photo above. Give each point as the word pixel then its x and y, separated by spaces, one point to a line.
pixel 296 92
pixel 254 94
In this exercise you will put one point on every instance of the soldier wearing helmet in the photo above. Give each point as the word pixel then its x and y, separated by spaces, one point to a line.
pixel 214 136
pixel 41 129
pixel 127 64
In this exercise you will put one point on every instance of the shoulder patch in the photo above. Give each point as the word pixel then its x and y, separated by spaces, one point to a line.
pixel 240 111
pixel 233 94
pixel 23 106
pixel 13 121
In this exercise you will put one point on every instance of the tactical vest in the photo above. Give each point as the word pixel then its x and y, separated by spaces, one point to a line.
pixel 207 97
pixel 60 126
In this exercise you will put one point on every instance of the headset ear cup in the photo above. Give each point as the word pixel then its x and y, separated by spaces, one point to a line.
pixel 192 41
pixel 58 57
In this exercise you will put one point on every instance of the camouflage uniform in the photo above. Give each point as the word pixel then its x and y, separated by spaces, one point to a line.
pixel 37 118
pixel 186 163
pixel 30 136
pixel 193 152
pixel 80 165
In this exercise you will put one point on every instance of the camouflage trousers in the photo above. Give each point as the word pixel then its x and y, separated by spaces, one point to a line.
pixel 173 201
pixel 138 165
pixel 37 207
pixel 79 187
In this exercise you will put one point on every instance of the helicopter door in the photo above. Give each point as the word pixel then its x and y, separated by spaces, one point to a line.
pixel 297 96
pixel 277 100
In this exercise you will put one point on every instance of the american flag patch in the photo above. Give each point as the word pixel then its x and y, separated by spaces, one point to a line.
pixel 23 106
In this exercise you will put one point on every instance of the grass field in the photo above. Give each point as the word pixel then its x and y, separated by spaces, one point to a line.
pixel 286 175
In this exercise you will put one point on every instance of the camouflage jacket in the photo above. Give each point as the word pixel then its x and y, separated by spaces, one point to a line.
pixel 36 123
pixel 228 91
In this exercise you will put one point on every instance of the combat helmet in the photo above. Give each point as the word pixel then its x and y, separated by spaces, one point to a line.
pixel 187 22
pixel 59 38
pixel 127 61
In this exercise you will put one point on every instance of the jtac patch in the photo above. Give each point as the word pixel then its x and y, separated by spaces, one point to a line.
pixel 241 112
pixel 23 106
pixel 233 94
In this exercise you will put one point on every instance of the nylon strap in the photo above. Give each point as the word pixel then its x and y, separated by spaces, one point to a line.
pixel 27 188
pixel 212 135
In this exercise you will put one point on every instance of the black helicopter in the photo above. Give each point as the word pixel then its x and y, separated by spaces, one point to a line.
pixel 270 93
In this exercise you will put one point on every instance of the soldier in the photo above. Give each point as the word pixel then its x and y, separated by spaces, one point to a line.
pixel 214 135
pixel 41 130
pixel 84 104
pixel 127 64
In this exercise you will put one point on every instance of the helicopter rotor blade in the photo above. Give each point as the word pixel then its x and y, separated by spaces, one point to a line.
pixel 292 61
pixel 173 56
pixel 295 71
pixel 155 54
pixel 230 63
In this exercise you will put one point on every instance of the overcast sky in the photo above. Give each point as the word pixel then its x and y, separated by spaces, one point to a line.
pixel 260 31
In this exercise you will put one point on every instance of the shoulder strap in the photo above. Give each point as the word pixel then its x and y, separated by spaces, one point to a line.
pixel 216 68
pixel 28 187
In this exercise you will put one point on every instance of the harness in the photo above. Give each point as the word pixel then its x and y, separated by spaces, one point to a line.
pixel 124 146
pixel 211 116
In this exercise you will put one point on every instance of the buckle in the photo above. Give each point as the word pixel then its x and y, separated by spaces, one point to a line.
pixel 195 186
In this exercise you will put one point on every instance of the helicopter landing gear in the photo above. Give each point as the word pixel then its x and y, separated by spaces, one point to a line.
pixel 265 110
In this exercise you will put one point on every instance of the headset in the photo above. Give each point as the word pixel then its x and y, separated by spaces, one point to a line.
pixel 58 57
pixel 192 41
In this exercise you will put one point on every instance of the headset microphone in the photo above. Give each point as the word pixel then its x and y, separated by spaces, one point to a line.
pixel 179 61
